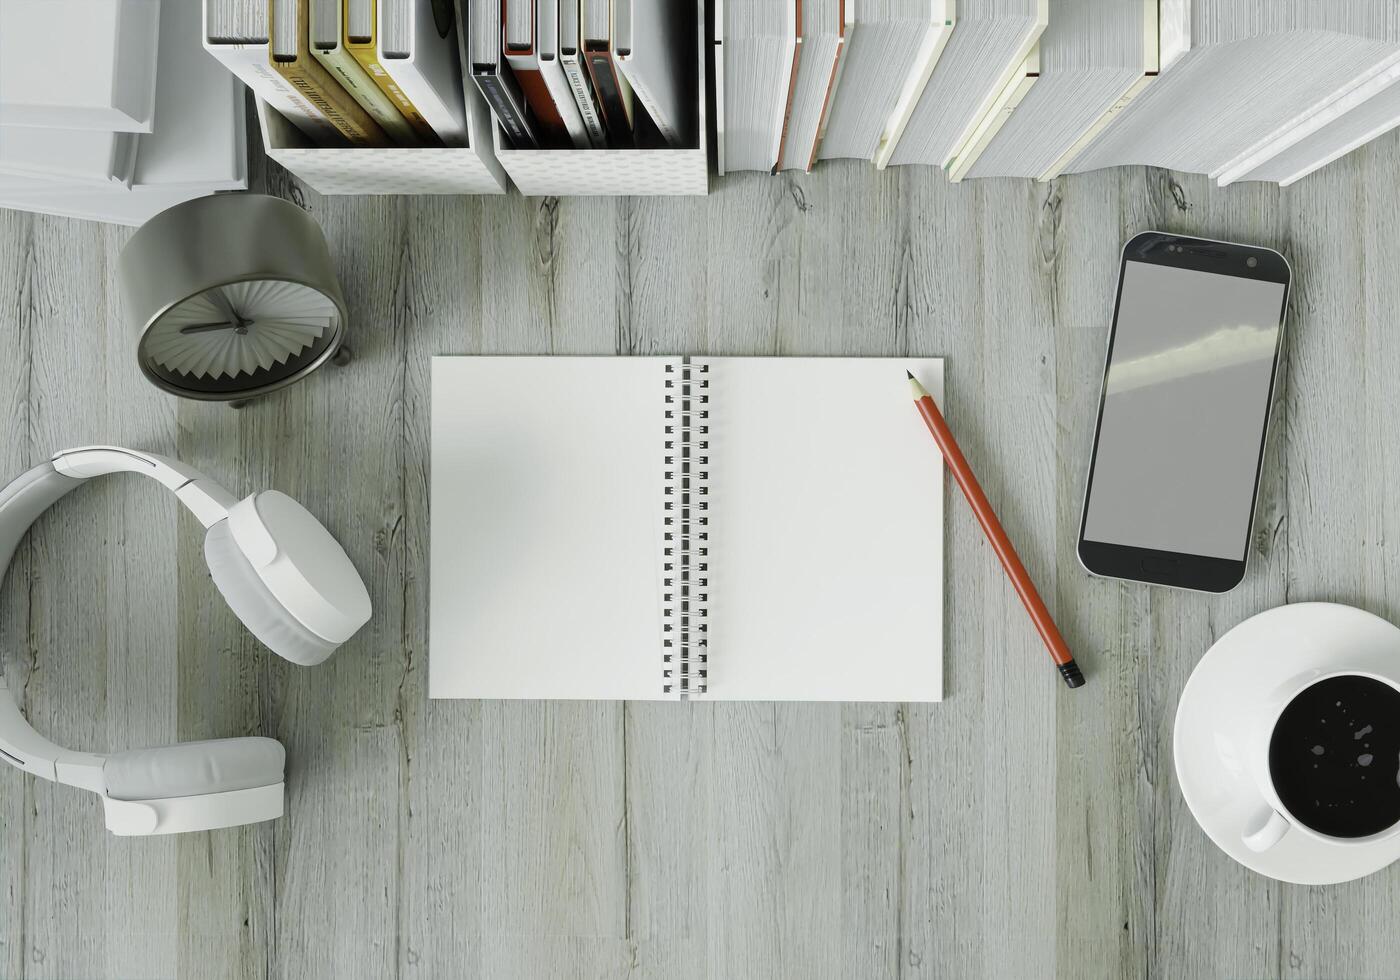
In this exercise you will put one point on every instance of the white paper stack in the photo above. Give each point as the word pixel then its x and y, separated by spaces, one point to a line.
pixel 151 121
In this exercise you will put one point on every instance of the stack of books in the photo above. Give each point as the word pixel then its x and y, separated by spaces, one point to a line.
pixel 348 72
pixel 138 120
pixel 1237 89
pixel 587 74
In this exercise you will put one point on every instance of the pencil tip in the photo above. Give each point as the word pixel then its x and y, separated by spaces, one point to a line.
pixel 909 374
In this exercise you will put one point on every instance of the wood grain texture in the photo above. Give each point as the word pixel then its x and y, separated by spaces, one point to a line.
pixel 1015 830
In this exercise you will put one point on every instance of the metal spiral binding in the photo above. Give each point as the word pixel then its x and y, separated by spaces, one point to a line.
pixel 686 530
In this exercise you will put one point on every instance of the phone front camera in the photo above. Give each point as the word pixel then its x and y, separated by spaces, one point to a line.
pixel 1251 262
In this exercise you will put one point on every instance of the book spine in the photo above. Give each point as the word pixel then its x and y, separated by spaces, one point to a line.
pixel 685 564
pixel 1091 133
pixel 341 111
pixel 250 65
pixel 583 95
pixel 837 65
pixel 791 93
pixel 664 124
pixel 355 80
pixel 549 123
pixel 935 40
pixel 364 53
pixel 511 116
pixel 612 97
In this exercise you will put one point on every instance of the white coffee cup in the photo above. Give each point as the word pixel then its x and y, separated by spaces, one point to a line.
pixel 1273 820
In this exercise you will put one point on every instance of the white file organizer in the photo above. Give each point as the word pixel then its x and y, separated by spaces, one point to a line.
pixel 566 173
pixel 390 169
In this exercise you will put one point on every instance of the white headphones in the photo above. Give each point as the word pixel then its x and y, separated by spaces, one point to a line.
pixel 284 577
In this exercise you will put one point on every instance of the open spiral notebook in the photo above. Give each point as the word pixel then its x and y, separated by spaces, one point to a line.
pixel 665 528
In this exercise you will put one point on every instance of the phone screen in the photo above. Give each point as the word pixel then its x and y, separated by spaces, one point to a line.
pixel 1186 399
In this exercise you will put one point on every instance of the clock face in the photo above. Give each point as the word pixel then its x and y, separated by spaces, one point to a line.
pixel 244 331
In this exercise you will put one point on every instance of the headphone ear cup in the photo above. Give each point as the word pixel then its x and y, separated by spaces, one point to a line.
pixel 218 765
pixel 255 605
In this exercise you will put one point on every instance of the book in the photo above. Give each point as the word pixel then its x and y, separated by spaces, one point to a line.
pixel 1096 56
pixel 289 49
pixel 200 138
pixel 236 33
pixel 1001 108
pixel 655 46
pixel 887 62
pixel 360 40
pixel 328 47
pixel 826 26
pixel 416 46
pixel 760 50
pixel 531 46
pixel 981 67
pixel 1338 136
pixel 708 528
pixel 576 73
pixel 493 77
pixel 198 145
pixel 79 156
pixel 611 87
pixel 105 75
pixel 1247 71
pixel 1313 118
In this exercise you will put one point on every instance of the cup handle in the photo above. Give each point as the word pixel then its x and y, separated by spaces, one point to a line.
pixel 1269 828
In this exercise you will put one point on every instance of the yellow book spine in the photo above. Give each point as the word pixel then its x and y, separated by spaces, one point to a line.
pixel 362 49
pixel 356 81
pixel 317 86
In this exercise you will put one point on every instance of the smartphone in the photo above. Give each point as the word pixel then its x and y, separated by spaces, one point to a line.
pixel 1188 386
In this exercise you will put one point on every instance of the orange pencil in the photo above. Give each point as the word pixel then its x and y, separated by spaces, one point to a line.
pixel 996 534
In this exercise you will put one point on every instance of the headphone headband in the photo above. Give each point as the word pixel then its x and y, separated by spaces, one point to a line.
pixel 206 500
pixel 22 502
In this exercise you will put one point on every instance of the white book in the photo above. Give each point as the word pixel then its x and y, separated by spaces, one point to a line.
pixel 760 52
pixel 717 528
pixel 1007 101
pixel 826 27
pixel 417 46
pixel 106 77
pixel 236 33
pixel 888 60
pixel 111 205
pixel 1376 116
pixel 76 156
pixel 654 46
pixel 1250 70
pixel 200 139
pixel 1096 56
pixel 198 146
pixel 984 55
pixel 1316 117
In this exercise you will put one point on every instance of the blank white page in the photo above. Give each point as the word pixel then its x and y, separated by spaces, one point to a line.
pixel 826 531
pixel 546 501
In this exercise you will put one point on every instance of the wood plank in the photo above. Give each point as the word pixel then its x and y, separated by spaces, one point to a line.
pixel 17 316
pixel 702 840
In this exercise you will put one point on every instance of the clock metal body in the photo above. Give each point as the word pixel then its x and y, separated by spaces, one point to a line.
pixel 231 296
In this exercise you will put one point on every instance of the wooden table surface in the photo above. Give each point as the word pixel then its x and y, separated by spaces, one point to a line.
pixel 1016 830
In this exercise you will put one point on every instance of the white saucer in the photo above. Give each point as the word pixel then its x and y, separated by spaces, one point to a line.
pixel 1209 738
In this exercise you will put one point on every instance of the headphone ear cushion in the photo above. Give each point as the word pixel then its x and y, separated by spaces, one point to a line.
pixel 255 605
pixel 218 765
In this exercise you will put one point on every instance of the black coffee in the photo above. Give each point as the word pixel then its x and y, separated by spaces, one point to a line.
pixel 1335 756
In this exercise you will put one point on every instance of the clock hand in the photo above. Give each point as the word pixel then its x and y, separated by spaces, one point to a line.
pixel 217 297
pixel 208 327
